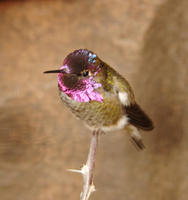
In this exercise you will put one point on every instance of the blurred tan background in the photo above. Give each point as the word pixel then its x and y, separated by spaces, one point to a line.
pixel 147 42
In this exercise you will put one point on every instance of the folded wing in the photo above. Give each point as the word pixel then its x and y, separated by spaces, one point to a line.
pixel 138 118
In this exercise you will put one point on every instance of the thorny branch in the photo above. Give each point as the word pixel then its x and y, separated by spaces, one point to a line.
pixel 88 169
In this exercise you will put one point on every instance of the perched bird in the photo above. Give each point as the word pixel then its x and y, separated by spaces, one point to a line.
pixel 100 96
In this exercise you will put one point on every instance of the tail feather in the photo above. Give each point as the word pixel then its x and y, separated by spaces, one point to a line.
pixel 138 143
pixel 136 138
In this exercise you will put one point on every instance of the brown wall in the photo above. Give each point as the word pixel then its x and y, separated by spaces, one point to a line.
pixel 147 41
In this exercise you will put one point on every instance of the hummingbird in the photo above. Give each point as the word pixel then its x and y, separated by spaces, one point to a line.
pixel 100 96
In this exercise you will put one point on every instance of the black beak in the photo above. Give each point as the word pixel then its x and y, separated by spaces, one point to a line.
pixel 54 71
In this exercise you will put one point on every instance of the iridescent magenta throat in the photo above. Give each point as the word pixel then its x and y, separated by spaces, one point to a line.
pixel 85 94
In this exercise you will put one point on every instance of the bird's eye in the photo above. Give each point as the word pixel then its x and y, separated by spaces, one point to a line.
pixel 85 73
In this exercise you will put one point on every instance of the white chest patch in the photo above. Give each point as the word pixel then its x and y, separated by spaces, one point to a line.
pixel 120 125
pixel 123 97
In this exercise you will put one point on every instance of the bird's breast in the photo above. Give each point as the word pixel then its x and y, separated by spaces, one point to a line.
pixel 107 115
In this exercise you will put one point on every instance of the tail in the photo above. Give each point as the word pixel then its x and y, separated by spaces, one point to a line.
pixel 136 138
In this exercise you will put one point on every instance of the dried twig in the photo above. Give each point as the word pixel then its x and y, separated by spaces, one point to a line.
pixel 88 169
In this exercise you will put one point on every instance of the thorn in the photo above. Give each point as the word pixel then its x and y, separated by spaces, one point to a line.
pixel 75 171
pixel 85 169
pixel 93 188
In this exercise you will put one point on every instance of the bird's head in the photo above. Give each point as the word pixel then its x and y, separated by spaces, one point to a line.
pixel 76 77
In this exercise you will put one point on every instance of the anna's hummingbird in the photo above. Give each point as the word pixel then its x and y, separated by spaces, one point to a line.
pixel 100 96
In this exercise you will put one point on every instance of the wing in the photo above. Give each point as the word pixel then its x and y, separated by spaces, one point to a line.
pixel 125 94
pixel 138 118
